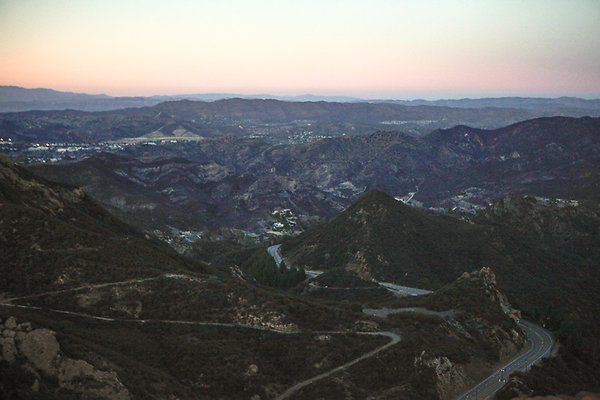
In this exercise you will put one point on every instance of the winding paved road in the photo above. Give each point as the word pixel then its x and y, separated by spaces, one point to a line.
pixel 540 339
pixel 274 252
pixel 541 343
pixel 392 287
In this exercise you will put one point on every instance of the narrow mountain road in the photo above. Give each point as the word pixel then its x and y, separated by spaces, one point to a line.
pixel 405 290
pixel 394 339
pixel 540 339
pixel 274 252
pixel 150 321
pixel 89 286
pixel 392 287
pixel 541 343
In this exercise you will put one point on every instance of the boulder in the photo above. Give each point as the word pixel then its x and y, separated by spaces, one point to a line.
pixel 25 327
pixel 8 333
pixel 252 370
pixel 41 348
pixel 10 323
pixel 9 351
pixel 19 337
pixel 80 376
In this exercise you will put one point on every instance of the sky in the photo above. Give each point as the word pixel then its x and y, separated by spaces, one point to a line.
pixel 400 49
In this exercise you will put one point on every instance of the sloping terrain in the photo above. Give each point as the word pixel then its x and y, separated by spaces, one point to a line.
pixel 167 327
pixel 441 353
pixel 103 311
pixel 543 252
pixel 551 157
pixel 380 237
pixel 54 236
pixel 555 254
pixel 545 255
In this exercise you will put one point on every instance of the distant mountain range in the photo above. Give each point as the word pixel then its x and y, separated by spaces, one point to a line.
pixel 14 98
pixel 233 181
pixel 529 103
pixel 273 120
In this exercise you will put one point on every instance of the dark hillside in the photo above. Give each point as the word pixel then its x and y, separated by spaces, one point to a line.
pixel 54 236
pixel 545 254
pixel 555 249
pixel 380 237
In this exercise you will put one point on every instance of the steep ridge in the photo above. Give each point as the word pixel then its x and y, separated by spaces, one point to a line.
pixel 538 248
pixel 382 238
pixel 555 253
pixel 55 236
pixel 174 332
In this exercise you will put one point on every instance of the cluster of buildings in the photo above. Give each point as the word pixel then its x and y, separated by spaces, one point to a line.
pixel 37 153
pixel 560 203
pixel 284 221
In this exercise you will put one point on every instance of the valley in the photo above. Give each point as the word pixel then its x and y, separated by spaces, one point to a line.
pixel 236 182
pixel 316 200
pixel 271 250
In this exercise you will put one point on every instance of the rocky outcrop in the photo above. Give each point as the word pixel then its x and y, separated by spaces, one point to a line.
pixel 448 375
pixel 486 277
pixel 41 349
pixel 38 351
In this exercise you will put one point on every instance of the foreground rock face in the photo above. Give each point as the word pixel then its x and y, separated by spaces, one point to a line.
pixel 38 351
pixel 41 349
pixel 448 375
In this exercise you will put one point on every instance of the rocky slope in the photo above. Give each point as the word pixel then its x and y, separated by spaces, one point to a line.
pixel 54 236
pixel 390 241
pixel 555 253
pixel 544 254
pixel 125 317
pixel 460 337
pixel 37 354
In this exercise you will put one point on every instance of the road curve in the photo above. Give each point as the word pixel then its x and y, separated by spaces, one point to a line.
pixel 541 343
pixel 274 252
pixel 90 286
pixel 394 339
pixel 392 287
pixel 540 339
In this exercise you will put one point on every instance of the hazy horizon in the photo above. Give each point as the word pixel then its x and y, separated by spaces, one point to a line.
pixel 317 95
pixel 378 49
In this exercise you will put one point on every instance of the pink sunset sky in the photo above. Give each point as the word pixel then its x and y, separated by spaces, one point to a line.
pixel 375 48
